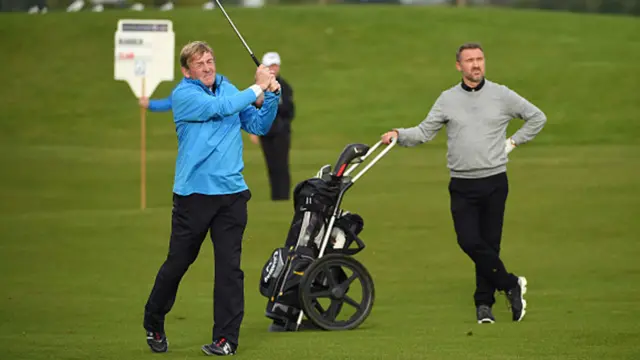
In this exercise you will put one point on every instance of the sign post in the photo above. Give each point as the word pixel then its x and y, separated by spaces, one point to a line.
pixel 144 57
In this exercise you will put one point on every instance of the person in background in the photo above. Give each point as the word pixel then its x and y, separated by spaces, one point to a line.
pixel 276 144
pixel 156 105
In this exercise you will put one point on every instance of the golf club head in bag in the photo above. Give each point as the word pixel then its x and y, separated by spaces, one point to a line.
pixel 348 155
pixel 324 171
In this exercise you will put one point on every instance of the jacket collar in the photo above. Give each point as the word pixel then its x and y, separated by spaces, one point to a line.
pixel 216 84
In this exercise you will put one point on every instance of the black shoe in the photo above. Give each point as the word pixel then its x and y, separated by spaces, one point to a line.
pixel 484 314
pixel 516 300
pixel 219 347
pixel 157 341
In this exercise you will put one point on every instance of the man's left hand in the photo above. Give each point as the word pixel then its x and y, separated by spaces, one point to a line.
pixel 274 86
pixel 509 145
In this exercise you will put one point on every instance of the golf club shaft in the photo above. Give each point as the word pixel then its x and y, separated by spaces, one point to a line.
pixel 238 33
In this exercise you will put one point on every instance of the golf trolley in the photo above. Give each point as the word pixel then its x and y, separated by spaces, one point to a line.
pixel 315 274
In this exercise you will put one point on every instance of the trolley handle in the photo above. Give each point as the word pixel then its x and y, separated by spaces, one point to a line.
pixel 372 162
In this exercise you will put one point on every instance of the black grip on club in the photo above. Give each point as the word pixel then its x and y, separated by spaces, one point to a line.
pixel 255 60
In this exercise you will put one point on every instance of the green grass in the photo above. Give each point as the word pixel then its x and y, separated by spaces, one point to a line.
pixel 78 257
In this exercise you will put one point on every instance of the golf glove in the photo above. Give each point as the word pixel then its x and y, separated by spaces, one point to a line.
pixel 509 145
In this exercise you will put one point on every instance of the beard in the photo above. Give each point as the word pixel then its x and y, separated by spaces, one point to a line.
pixel 475 78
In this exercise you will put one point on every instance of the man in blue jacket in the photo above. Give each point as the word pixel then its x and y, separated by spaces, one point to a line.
pixel 209 192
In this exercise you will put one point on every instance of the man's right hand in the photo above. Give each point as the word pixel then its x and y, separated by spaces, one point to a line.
pixel 263 77
pixel 144 102
pixel 386 137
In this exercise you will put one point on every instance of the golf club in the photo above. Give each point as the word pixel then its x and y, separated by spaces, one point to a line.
pixel 238 33
pixel 255 60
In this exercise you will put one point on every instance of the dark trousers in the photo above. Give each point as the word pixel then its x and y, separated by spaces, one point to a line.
pixel 275 149
pixel 477 207
pixel 225 217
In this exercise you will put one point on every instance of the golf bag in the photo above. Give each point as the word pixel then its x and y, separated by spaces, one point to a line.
pixel 314 202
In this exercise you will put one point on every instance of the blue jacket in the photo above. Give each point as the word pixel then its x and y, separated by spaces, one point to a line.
pixel 208 125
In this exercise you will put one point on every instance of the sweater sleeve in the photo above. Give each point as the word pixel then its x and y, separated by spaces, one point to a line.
pixel 520 108
pixel 427 129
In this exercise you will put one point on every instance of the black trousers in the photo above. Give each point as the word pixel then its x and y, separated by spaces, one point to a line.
pixel 275 149
pixel 225 217
pixel 477 207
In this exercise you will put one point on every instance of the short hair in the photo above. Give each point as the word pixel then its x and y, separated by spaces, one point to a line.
pixel 191 49
pixel 467 46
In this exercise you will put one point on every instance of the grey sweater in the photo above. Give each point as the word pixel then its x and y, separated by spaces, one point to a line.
pixel 476 123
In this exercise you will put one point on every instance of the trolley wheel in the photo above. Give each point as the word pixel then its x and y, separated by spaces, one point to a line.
pixel 336 292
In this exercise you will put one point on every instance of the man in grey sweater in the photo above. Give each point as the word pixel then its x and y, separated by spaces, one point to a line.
pixel 476 113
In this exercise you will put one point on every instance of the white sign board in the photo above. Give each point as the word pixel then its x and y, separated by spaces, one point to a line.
pixel 144 54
